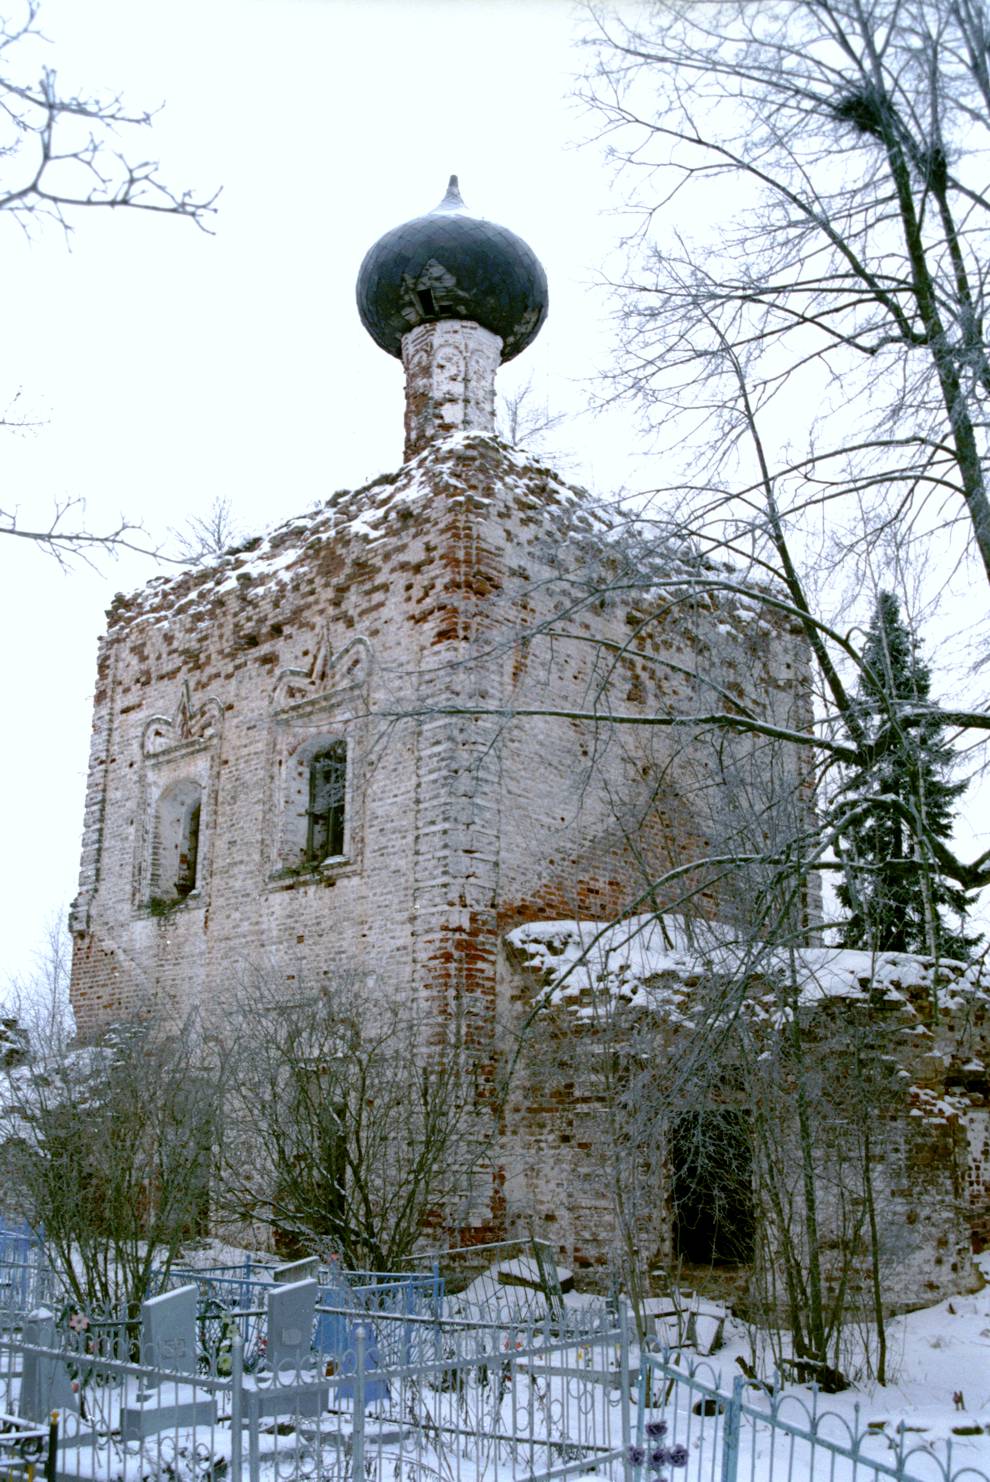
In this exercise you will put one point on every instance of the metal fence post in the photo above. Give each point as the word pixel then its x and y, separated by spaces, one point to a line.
pixel 51 1459
pixel 642 1399
pixel 236 1403
pixel 357 1433
pixel 625 1398
pixel 730 1431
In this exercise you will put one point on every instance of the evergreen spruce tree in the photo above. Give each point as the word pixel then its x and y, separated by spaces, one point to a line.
pixel 893 892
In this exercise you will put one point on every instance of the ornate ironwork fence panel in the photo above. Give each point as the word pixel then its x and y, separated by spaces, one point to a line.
pixel 398 1397
pixel 693 1427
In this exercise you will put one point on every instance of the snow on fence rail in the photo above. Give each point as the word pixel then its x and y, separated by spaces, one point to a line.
pixel 754 1432
pixel 372 1291
pixel 402 1398
pixel 28 1450
pixel 263 1382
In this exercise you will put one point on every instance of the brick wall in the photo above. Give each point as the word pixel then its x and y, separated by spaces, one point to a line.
pixel 413 620
pixel 566 1154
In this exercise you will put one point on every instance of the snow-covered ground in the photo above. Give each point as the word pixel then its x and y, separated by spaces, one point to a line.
pixel 934 1410
pixel 936 1403
pixel 933 1355
pixel 937 1396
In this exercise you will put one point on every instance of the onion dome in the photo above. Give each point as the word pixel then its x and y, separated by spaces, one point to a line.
pixel 452 265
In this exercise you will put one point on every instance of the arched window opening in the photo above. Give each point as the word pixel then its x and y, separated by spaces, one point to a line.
pixel 325 813
pixel 175 866
pixel 185 879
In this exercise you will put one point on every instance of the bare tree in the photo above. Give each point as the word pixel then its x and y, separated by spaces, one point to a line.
pixel 850 135
pixel 349 1129
pixel 63 155
pixel 821 1100
pixel 741 1110
pixel 107 1150
pixel 525 421
pixel 60 150
pixel 67 541
pixel 847 275
pixel 205 537
pixel 39 999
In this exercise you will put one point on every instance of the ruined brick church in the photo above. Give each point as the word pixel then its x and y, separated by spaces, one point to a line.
pixel 396 739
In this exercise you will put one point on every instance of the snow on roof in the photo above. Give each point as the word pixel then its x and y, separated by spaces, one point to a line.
pixel 659 555
pixel 653 962
pixel 367 513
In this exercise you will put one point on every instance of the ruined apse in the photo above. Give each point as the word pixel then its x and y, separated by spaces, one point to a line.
pixel 377 740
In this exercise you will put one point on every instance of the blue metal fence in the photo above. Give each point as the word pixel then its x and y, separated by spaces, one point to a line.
pixel 754 1432
pixel 26 1284
pixel 691 1427
pixel 18 1242
pixel 373 1291
pixel 233 1298
pixel 525 1403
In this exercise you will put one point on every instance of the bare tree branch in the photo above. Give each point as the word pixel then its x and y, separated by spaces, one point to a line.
pixel 60 152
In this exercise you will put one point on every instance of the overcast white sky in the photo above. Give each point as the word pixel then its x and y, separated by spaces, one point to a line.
pixel 170 367
pixel 167 367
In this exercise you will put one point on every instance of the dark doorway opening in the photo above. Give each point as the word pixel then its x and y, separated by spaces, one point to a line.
pixel 711 1161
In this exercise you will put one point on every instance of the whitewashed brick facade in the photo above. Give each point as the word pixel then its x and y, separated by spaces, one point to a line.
pixel 433 710
pixel 410 620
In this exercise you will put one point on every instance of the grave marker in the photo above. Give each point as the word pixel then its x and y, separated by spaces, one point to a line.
pixel 168 1341
pixel 297 1270
pixel 297 1385
pixel 291 1312
pixel 168 1330
pixel 45 1381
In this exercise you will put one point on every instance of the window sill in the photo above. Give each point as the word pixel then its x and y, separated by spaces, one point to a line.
pixel 161 908
pixel 325 873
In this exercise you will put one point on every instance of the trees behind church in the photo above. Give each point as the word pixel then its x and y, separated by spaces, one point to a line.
pixel 819 336
pixel 803 310
pixel 895 903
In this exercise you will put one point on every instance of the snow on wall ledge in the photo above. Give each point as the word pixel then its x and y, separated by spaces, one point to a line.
pixel 652 961
pixel 931 1157
pixel 372 513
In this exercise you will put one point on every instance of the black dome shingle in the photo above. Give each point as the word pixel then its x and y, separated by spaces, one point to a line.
pixel 451 265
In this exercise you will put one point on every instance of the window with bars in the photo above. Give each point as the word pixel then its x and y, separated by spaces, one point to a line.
pixel 325 815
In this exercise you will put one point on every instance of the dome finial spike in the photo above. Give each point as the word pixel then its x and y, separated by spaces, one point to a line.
pixel 451 265
pixel 452 200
